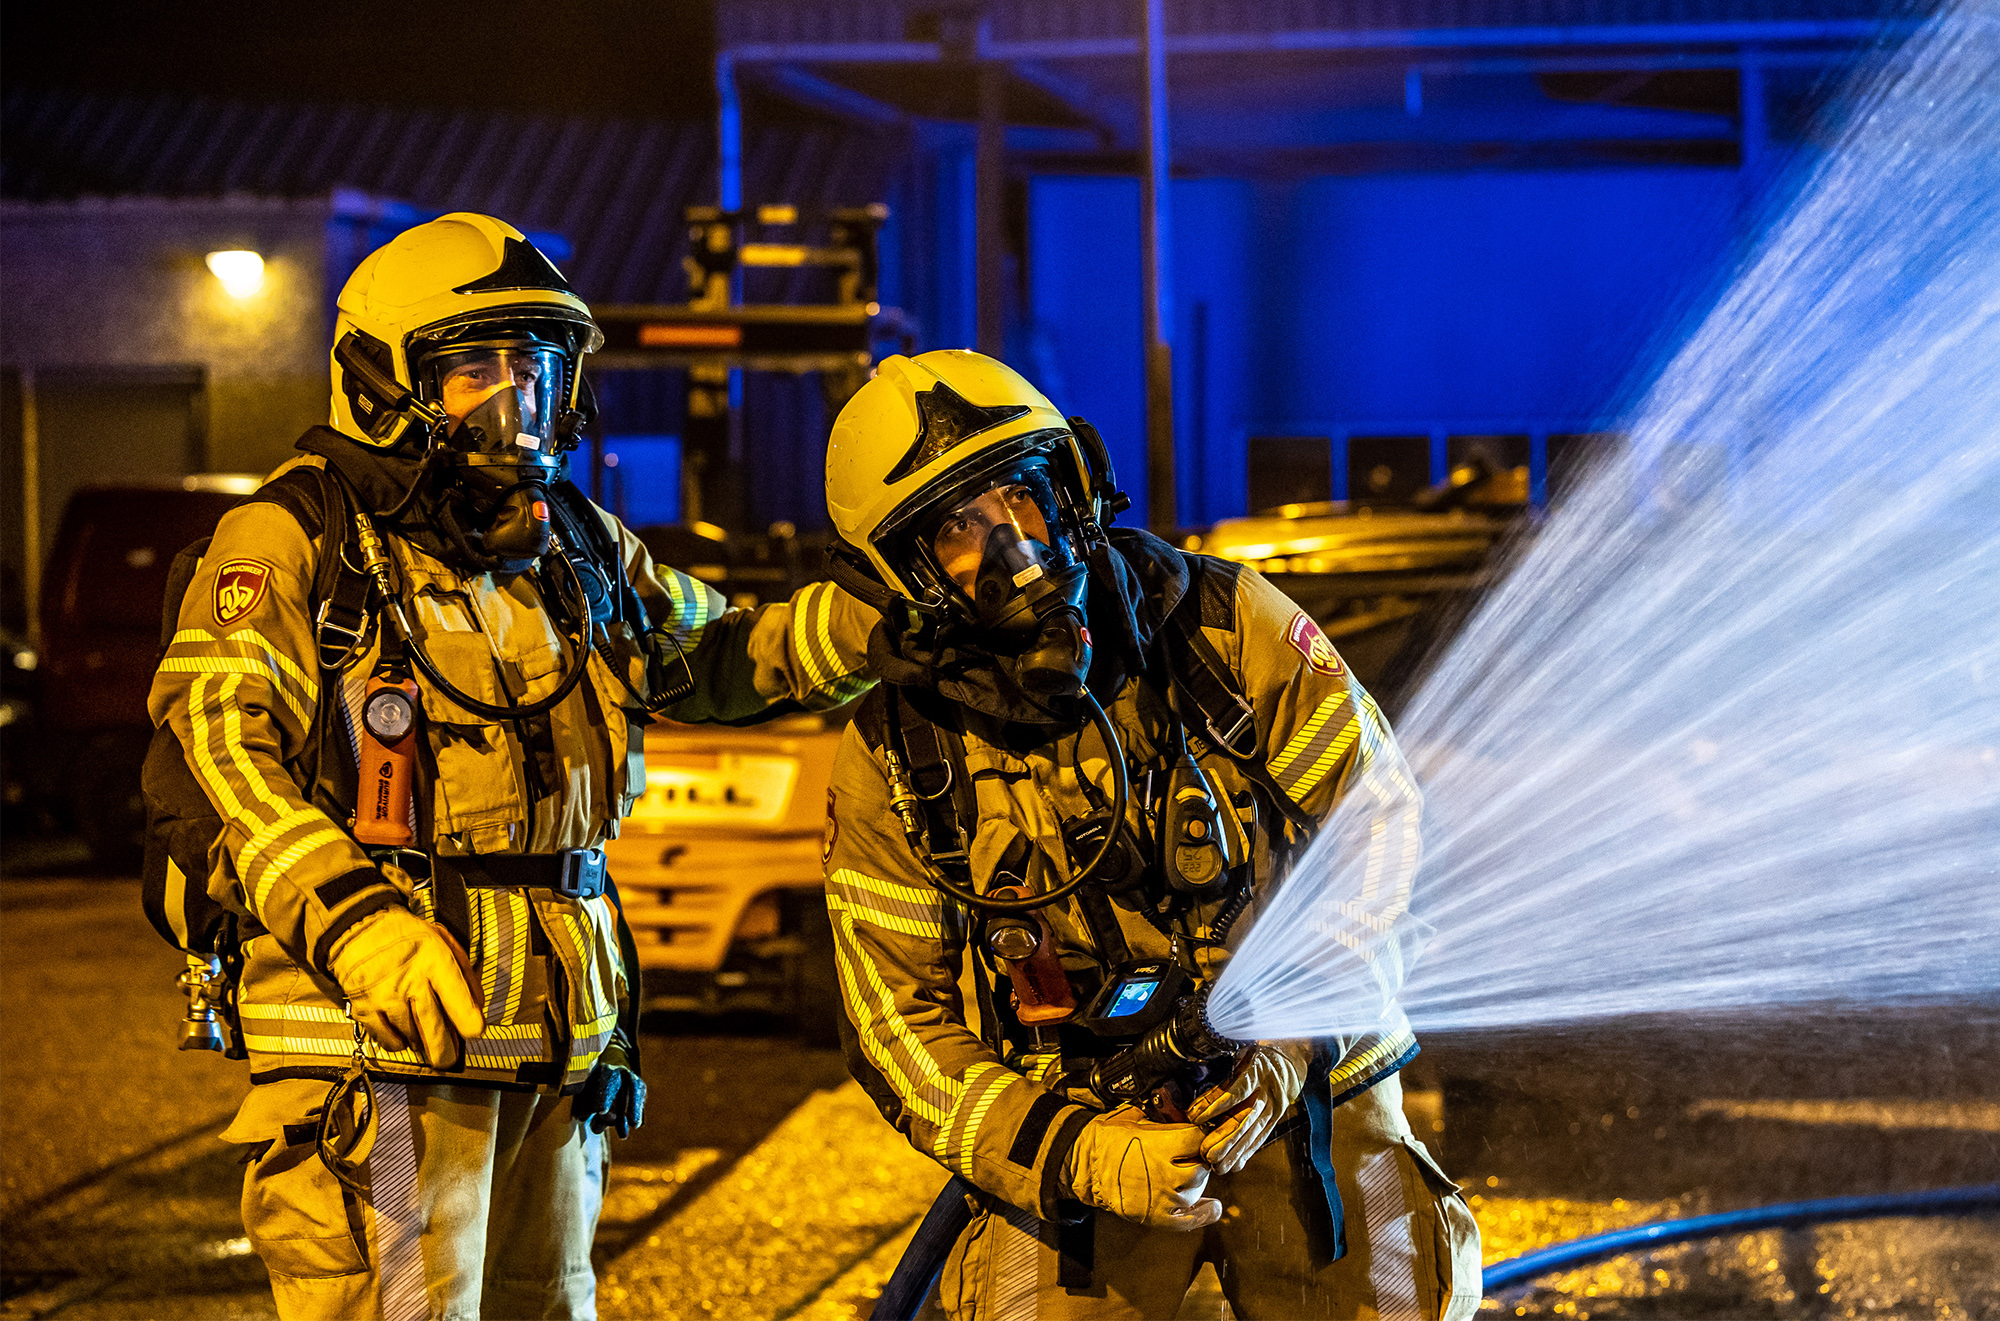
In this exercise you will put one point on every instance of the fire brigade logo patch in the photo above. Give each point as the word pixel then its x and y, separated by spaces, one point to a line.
pixel 830 833
pixel 1312 644
pixel 238 588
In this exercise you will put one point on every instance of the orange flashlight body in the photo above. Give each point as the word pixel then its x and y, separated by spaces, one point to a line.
pixel 388 763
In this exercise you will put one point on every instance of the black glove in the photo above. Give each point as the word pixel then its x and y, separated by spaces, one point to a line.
pixel 614 1095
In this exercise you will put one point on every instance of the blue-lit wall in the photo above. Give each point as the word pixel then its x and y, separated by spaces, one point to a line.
pixel 1471 302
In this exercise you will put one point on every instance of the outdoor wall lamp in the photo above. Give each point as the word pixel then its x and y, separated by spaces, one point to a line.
pixel 241 271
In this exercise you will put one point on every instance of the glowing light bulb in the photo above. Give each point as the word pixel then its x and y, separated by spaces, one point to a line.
pixel 241 271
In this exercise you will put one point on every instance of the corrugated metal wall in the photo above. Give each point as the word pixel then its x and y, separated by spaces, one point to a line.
pixel 614 188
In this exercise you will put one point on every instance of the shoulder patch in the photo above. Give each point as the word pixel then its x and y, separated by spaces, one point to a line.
pixel 239 586
pixel 1313 645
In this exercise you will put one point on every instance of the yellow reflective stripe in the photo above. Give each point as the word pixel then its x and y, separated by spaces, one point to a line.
pixel 1335 750
pixel 192 635
pixel 517 953
pixel 1299 741
pixel 205 764
pixel 984 1082
pixel 304 1045
pixel 270 835
pixel 825 613
pixel 902 926
pixel 238 666
pixel 818 673
pixel 239 756
pixel 280 659
pixel 921 895
pixel 900 908
pixel 854 968
pixel 279 865
pixel 295 1012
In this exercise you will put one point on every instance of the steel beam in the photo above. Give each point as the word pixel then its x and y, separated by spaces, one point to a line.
pixel 803 87
pixel 1155 257
pixel 1839 31
pixel 1113 119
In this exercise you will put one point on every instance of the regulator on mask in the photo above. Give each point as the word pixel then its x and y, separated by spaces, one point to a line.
pixel 1007 549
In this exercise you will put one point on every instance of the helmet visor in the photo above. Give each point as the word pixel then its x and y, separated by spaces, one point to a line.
pixel 510 395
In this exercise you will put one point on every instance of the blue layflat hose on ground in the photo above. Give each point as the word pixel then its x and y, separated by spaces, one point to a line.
pixel 1785 1215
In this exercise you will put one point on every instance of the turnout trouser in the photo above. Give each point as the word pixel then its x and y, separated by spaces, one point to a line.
pixel 480 1203
pixel 1412 1246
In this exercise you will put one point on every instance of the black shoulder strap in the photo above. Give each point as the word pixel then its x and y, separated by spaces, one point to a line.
pixel 318 498
pixel 934 758
pixel 587 530
pixel 1206 682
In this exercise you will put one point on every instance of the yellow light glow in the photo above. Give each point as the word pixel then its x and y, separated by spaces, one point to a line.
pixel 240 270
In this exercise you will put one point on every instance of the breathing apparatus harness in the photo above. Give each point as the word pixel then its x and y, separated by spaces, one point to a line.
pixel 580 555
pixel 1144 1026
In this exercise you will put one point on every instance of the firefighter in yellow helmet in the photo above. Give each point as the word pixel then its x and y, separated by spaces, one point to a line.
pixel 1090 758
pixel 409 680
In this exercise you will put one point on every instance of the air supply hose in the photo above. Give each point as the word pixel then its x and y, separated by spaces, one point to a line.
pixel 905 800
pixel 375 560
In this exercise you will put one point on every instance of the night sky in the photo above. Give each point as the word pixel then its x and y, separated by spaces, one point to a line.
pixel 627 58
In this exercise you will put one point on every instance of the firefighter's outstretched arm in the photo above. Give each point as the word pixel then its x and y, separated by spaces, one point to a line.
pixel 240 684
pixel 811 650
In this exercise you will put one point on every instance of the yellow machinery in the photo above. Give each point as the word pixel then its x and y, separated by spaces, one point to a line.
pixel 719 870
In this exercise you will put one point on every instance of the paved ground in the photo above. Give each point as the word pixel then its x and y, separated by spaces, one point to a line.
pixel 765 1186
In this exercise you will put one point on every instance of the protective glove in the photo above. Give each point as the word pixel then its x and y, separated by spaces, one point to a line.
pixel 1241 1113
pixel 614 1095
pixel 1150 1174
pixel 409 986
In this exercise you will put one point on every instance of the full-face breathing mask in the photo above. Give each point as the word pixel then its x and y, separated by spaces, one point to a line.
pixel 507 449
pixel 1028 582
pixel 1023 596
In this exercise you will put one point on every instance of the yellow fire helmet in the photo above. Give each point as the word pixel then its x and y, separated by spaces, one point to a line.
pixel 924 431
pixel 459 279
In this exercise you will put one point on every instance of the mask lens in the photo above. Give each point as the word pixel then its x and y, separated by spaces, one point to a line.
pixel 1023 501
pixel 510 393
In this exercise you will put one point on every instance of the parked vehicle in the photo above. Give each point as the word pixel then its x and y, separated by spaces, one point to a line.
pixel 1387 583
pixel 100 608
pixel 719 871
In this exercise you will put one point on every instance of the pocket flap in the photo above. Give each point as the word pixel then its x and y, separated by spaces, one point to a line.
pixel 466 659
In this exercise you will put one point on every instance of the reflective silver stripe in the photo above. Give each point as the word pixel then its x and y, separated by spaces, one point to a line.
pixel 1016 1265
pixel 1392 1256
pixel 399 1215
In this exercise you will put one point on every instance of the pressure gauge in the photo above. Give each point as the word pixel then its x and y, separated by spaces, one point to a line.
pixel 388 714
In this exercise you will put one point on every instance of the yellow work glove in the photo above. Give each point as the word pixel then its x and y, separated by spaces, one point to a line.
pixel 409 986
pixel 1241 1113
pixel 1150 1174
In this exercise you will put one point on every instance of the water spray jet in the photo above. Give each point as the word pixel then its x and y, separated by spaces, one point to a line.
pixel 1735 744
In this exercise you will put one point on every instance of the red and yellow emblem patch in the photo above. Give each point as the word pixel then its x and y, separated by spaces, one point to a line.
pixel 1312 644
pixel 239 586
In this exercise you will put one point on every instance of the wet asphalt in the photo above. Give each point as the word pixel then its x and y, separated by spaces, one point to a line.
pixel 765 1186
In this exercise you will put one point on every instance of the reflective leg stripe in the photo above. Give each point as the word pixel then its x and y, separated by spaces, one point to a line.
pixel 1392 1256
pixel 1016 1272
pixel 399 1217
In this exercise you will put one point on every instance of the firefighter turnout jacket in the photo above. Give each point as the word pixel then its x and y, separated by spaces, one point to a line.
pixel 240 684
pixel 990 1112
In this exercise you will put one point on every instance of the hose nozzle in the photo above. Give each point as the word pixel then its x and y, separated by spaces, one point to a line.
pixel 1181 1044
